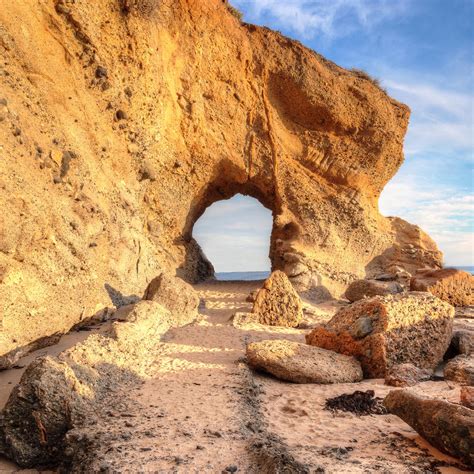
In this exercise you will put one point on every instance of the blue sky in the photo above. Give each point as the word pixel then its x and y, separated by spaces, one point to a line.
pixel 422 51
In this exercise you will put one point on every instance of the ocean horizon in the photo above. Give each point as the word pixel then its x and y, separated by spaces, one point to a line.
pixel 262 275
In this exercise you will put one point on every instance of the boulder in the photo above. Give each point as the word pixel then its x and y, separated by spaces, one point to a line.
pixel 384 331
pixel 368 288
pixel 460 369
pixel 300 363
pixel 462 341
pixel 40 410
pixel 467 396
pixel 406 375
pixel 141 324
pixel 175 295
pixel 277 303
pixel 451 285
pixel 447 426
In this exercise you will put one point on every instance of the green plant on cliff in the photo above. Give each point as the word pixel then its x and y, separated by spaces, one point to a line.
pixel 236 12
pixel 365 75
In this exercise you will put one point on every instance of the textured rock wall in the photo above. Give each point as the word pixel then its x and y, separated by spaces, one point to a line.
pixel 122 121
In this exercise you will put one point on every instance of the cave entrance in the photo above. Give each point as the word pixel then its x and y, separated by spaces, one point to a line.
pixel 234 234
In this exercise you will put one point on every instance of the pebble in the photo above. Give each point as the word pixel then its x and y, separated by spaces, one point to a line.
pixel 121 115
pixel 231 469
pixel 100 72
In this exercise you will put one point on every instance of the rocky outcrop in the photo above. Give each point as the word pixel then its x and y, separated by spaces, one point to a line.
pixel 300 363
pixel 406 375
pixel 175 295
pixel 57 395
pixel 123 125
pixel 460 369
pixel 368 288
pixel 277 303
pixel 451 285
pixel 384 331
pixel 447 426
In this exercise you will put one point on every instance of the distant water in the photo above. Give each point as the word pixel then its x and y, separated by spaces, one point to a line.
pixel 469 269
pixel 246 276
pixel 249 276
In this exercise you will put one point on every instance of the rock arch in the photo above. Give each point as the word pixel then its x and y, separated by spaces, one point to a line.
pixel 149 119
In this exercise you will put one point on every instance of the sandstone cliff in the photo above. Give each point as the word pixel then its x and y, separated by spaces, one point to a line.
pixel 121 121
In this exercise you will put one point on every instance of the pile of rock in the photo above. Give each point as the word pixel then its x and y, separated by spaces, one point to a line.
pixel 385 331
pixel 59 394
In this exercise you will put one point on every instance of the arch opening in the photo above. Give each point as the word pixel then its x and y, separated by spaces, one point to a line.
pixel 235 234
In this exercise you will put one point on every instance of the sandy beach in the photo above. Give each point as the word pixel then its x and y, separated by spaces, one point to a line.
pixel 201 409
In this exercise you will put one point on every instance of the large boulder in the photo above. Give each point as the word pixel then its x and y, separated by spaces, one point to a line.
pixel 384 331
pixel 277 303
pixel 368 288
pixel 300 363
pixel 451 285
pixel 460 369
pixel 175 295
pixel 447 426
pixel 39 412
pixel 406 375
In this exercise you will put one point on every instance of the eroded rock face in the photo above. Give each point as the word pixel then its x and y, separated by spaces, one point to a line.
pixel 451 285
pixel 384 331
pixel 406 375
pixel 277 303
pixel 300 363
pixel 122 154
pixel 175 295
pixel 447 426
pixel 368 288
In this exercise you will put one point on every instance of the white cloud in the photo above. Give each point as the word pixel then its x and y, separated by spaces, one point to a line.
pixel 235 234
pixel 442 119
pixel 308 18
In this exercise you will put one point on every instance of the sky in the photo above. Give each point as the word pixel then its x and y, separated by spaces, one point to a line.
pixel 422 51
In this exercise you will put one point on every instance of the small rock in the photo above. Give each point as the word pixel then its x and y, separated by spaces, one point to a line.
pixel 100 72
pixel 460 369
pixel 128 91
pixel 231 469
pixel 406 375
pixel 360 289
pixel 121 115
pixel 251 296
pixel 16 132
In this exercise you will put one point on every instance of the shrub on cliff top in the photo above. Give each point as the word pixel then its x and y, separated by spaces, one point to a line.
pixel 234 11
pixel 365 75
